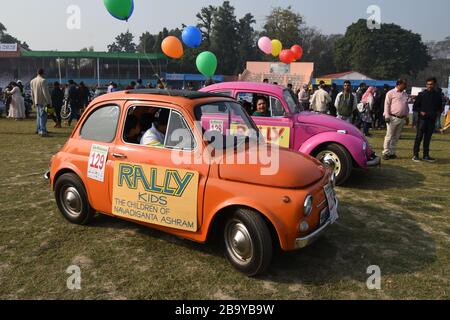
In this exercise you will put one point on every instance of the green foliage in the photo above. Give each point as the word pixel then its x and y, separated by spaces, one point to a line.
pixel 285 25
pixel 7 38
pixel 386 53
pixel 206 20
pixel 124 43
pixel 146 43
pixel 225 39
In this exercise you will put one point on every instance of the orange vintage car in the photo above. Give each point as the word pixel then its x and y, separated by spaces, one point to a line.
pixel 190 164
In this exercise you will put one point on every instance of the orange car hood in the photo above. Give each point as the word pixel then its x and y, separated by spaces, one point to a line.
pixel 295 170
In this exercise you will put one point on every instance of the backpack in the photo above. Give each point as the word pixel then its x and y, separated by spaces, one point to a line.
pixel 343 109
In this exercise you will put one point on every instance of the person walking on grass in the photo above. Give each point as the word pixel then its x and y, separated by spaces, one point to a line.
pixel 41 98
pixel 429 106
pixel 367 102
pixel 17 107
pixel 346 103
pixel 321 99
pixel 396 110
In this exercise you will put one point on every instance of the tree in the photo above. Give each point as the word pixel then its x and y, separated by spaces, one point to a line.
pixel 124 43
pixel 385 53
pixel 247 42
pixel 146 43
pixel 224 38
pixel 2 29
pixel 206 19
pixel 285 25
pixel 440 49
pixel 7 38
pixel 319 49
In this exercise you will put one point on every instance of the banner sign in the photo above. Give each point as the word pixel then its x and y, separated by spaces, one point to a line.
pixel 156 195
pixel 8 47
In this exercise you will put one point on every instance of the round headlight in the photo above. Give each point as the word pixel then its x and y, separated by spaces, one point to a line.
pixel 308 206
pixel 329 162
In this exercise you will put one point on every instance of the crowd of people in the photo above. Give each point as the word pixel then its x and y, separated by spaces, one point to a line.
pixel 363 107
pixel 366 107
pixel 386 109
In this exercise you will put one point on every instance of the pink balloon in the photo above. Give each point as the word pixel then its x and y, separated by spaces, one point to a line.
pixel 265 45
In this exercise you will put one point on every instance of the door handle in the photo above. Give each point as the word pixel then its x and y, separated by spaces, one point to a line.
pixel 119 156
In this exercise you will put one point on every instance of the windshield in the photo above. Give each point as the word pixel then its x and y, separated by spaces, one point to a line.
pixel 291 101
pixel 225 124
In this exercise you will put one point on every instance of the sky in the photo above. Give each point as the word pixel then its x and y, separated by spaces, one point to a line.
pixel 43 23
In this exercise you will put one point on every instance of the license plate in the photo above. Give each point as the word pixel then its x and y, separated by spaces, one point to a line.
pixel 324 216
pixel 332 204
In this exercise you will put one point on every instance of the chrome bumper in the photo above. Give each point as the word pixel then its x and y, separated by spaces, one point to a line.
pixel 301 243
pixel 374 162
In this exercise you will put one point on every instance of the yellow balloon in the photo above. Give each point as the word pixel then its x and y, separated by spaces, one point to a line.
pixel 277 46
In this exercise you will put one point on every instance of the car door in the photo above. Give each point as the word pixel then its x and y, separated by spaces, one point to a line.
pixel 278 127
pixel 160 185
pixel 92 152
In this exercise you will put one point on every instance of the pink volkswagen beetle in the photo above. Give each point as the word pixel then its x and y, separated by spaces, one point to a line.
pixel 332 141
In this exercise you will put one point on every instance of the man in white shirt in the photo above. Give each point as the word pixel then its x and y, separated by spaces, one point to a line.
pixel 41 98
pixel 303 97
pixel 321 100
pixel 156 135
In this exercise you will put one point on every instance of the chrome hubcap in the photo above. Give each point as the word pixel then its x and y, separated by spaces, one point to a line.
pixel 72 202
pixel 327 156
pixel 239 242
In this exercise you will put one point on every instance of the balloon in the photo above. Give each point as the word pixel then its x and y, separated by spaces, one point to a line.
pixel 172 47
pixel 265 45
pixel 298 52
pixel 192 37
pixel 277 46
pixel 120 9
pixel 287 56
pixel 207 63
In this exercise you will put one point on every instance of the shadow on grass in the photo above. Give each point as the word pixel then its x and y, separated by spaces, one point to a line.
pixel 386 176
pixel 365 236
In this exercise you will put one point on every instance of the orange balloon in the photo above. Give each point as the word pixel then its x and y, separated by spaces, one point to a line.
pixel 172 47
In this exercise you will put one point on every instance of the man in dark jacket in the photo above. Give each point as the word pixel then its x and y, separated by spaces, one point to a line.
pixel 57 102
pixel 429 106
pixel 74 101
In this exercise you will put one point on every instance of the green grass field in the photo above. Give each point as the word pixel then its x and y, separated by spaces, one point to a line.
pixel 396 216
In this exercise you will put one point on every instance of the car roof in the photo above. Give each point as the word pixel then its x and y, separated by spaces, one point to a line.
pixel 178 97
pixel 245 85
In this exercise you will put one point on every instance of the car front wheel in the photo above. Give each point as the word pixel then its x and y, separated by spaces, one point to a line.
pixel 72 200
pixel 341 161
pixel 248 243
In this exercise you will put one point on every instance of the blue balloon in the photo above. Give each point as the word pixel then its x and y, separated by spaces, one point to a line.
pixel 192 37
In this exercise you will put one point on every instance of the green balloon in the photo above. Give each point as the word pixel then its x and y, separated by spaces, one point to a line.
pixel 120 9
pixel 207 63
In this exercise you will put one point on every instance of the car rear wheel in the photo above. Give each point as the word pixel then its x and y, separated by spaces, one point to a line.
pixel 341 159
pixel 72 200
pixel 247 242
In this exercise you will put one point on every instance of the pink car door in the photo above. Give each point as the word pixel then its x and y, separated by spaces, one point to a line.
pixel 277 128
